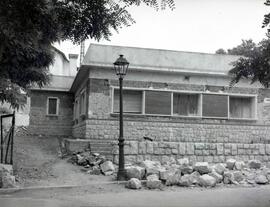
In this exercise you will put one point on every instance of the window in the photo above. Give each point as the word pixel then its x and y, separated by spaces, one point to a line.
pixel 186 104
pixel 193 104
pixel 52 106
pixel 76 109
pixel 82 103
pixel 158 102
pixel 215 106
pixel 132 101
pixel 242 107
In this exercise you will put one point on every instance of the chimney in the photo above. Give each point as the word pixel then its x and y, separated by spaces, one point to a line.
pixel 73 58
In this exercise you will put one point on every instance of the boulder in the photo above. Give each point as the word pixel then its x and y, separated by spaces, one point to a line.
pixel 250 176
pixel 134 183
pixel 194 177
pixel 254 164
pixel 135 172
pixel 207 181
pixel 202 167
pixel 95 171
pixel 152 167
pixel 185 180
pixel 173 179
pixel 230 163
pixel 108 172
pixel 217 176
pixel 153 182
pixel 261 179
pixel 237 176
pixel 8 181
pixel 168 160
pixel 266 172
pixel 239 165
pixel 6 168
pixel 220 168
pixel 186 169
pixel 183 161
pixel 164 174
pixel 107 167
pixel 228 177
pixel 81 160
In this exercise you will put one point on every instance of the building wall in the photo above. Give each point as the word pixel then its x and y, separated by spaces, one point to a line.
pixel 200 139
pixel 41 123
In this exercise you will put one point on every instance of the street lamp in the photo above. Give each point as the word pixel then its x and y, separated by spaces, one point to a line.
pixel 121 67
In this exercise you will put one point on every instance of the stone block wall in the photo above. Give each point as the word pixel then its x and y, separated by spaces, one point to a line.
pixel 136 151
pixel 41 124
pixel 200 139
pixel 211 142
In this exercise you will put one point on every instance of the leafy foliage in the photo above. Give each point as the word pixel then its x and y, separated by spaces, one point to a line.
pixel 266 20
pixel 221 51
pixel 254 64
pixel 28 28
pixel 244 49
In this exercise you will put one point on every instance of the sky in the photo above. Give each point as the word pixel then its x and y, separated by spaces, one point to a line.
pixel 195 25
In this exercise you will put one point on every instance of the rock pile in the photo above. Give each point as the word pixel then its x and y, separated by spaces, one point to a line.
pixel 93 163
pixel 7 179
pixel 182 173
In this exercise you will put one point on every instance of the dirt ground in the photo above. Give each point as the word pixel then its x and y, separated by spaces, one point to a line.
pixel 38 162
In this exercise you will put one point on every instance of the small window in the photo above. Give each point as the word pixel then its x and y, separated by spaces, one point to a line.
pixel 82 103
pixel 132 101
pixel 157 102
pixel 52 106
pixel 186 104
pixel 242 107
pixel 215 106
pixel 76 109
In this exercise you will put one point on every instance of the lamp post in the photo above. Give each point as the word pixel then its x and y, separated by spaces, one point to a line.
pixel 120 67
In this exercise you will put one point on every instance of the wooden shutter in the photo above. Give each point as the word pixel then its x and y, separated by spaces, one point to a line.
pixel 215 105
pixel 185 104
pixel 241 107
pixel 132 101
pixel 157 102
pixel 52 106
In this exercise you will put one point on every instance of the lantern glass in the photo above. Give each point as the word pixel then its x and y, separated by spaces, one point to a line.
pixel 121 66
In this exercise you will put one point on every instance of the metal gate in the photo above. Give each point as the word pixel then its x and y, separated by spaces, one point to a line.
pixel 7 134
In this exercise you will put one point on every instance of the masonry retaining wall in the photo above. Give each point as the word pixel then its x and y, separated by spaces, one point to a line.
pixel 200 139
pixel 212 142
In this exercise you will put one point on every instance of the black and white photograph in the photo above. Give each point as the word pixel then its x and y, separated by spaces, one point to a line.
pixel 134 103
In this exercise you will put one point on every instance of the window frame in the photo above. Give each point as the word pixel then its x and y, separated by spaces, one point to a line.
pixel 57 106
pixel 112 101
pixel 82 104
pixel 254 103
pixel 200 104
pixel 76 114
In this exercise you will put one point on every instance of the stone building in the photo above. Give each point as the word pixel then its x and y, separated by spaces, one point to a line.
pixel 51 107
pixel 180 100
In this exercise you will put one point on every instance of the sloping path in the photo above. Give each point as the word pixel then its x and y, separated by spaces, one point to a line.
pixel 38 162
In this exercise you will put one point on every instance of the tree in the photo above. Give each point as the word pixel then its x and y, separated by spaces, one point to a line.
pixel 28 28
pixel 245 48
pixel 255 66
pixel 221 51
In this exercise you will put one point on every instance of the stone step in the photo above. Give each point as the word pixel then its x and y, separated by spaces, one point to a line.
pixel 99 146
